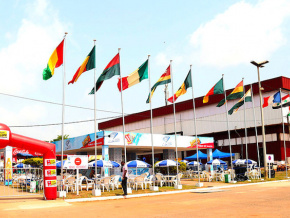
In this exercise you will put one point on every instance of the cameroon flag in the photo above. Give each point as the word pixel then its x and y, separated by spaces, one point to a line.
pixel 55 60
pixel 134 78
pixel 217 89
pixel 164 79
pixel 236 93
pixel 112 69
pixel 247 97
pixel 183 88
pixel 88 64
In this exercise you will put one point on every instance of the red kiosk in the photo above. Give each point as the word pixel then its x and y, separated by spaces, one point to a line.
pixel 47 149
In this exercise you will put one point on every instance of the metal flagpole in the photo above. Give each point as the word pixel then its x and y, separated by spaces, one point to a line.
pixel 195 128
pixel 174 121
pixel 283 134
pixel 125 151
pixel 229 134
pixel 95 121
pixel 63 103
pixel 246 133
pixel 256 132
pixel 151 122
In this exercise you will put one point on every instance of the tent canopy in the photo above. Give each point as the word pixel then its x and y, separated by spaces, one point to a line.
pixel 219 154
pixel 194 157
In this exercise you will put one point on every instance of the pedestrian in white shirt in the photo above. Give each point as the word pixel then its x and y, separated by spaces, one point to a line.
pixel 124 170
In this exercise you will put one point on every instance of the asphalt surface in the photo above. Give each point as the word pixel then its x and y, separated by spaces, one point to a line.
pixel 264 200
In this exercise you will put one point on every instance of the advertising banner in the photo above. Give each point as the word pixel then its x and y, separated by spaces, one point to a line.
pixel 49 162
pixel 77 162
pixel 144 139
pixel 50 172
pixel 8 164
pixel 79 142
pixel 105 153
pixel 50 183
pixel 16 151
pixel 4 135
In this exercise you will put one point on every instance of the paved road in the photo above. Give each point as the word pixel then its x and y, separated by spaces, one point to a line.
pixel 266 200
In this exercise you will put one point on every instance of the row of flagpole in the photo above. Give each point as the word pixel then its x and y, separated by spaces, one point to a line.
pixel 174 113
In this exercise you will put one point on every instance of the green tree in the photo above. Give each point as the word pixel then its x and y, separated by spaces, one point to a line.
pixel 34 162
pixel 59 137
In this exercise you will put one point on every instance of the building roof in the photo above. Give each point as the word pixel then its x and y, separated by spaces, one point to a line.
pixel 268 85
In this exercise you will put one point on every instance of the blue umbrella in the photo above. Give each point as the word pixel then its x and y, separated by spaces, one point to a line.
pixel 104 163
pixel 166 163
pixel 21 165
pixel 25 155
pixel 193 163
pixel 138 163
pixel 219 154
pixel 216 162
pixel 58 164
pixel 194 157
pixel 184 161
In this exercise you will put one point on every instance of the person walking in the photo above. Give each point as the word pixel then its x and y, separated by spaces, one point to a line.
pixel 124 169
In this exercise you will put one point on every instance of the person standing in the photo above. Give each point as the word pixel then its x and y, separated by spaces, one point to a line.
pixel 124 169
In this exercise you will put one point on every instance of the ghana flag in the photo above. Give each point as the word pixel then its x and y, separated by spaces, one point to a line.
pixel 55 60
pixel 112 69
pixel 247 97
pixel 236 93
pixel 88 64
pixel 183 88
pixel 134 78
pixel 164 79
pixel 217 89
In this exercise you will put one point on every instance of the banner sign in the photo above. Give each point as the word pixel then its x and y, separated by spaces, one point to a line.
pixel 144 139
pixel 16 151
pixel 49 162
pixel 8 166
pixel 79 142
pixel 77 162
pixel 132 171
pixel 4 135
pixel 270 158
pixel 50 183
pixel 50 172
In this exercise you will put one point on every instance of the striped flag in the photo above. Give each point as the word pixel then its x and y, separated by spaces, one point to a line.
pixel 55 61
pixel 134 78
pixel 247 97
pixel 164 79
pixel 183 88
pixel 285 102
pixel 112 69
pixel 218 88
pixel 238 92
pixel 88 64
pixel 276 98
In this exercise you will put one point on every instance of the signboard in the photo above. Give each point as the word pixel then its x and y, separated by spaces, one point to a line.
pixel 50 172
pixel 270 158
pixel 79 142
pixel 77 162
pixel 50 183
pixel 49 162
pixel 4 135
pixel 8 165
pixel 16 151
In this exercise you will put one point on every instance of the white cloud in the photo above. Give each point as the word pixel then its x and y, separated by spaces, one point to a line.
pixel 23 60
pixel 243 32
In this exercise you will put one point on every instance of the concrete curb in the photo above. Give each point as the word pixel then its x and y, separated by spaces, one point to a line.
pixel 168 193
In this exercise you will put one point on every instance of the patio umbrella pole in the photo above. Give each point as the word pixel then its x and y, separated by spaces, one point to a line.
pixel 246 134
pixel 229 134
pixel 195 130
pixel 174 122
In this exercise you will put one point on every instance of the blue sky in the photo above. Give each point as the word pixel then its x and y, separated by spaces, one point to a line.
pixel 216 37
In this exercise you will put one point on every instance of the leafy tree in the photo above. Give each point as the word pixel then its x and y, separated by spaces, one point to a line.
pixel 172 170
pixel 34 162
pixel 59 137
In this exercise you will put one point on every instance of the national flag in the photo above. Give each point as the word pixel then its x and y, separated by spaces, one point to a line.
pixel 112 69
pixel 164 79
pixel 247 97
pixel 88 64
pixel 238 92
pixel 183 88
pixel 134 78
pixel 276 98
pixel 55 60
pixel 217 89
pixel 285 102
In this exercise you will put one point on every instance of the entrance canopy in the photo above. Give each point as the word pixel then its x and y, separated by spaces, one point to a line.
pixel 134 141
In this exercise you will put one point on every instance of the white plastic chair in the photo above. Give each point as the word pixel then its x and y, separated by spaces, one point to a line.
pixel 148 181
pixel 139 181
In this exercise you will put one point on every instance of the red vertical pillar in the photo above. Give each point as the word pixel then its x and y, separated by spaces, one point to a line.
pixel 49 175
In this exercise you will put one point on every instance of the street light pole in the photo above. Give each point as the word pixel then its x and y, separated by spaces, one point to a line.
pixel 259 65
